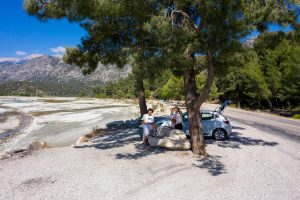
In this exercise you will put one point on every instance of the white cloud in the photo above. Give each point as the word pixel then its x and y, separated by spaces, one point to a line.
pixel 14 59
pixel 58 50
pixel 20 53
pixel 32 56
pixel 9 59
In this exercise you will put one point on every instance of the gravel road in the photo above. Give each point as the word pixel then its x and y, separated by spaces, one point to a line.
pixel 254 163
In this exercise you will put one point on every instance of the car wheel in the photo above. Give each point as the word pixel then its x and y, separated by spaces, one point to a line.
pixel 219 134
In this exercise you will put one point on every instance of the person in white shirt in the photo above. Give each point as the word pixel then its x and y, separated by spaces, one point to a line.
pixel 148 125
pixel 179 119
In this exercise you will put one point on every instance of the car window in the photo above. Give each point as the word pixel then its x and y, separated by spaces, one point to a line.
pixel 204 116
pixel 207 116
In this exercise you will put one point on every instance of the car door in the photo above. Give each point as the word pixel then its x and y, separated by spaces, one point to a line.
pixel 185 123
pixel 208 123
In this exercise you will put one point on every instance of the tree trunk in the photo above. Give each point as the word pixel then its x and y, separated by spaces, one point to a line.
pixel 238 105
pixel 141 95
pixel 195 126
pixel 270 104
pixel 193 103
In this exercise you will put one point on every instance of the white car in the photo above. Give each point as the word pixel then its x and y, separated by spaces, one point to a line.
pixel 213 122
pixel 214 125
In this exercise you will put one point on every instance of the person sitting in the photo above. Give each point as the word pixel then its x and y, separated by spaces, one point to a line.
pixel 148 126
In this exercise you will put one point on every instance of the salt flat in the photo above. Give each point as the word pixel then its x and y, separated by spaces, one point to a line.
pixel 58 121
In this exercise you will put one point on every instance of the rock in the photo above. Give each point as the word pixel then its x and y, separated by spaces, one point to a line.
pixel 4 155
pixel 45 145
pixel 37 145
pixel 95 133
pixel 82 139
pixel 164 132
pixel 116 124
pixel 171 139
pixel 122 124
pixel 132 124
pixel 169 143
pixel 21 152
pixel 178 135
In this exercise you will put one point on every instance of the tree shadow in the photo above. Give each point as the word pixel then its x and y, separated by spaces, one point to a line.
pixel 140 153
pixel 212 164
pixel 113 138
pixel 238 128
pixel 236 141
pixel 116 138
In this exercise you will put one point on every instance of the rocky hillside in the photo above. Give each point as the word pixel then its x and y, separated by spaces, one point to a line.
pixel 51 69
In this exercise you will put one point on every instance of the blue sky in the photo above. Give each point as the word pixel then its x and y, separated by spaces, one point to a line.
pixel 22 35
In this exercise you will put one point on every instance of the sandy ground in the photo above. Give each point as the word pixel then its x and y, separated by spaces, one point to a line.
pixel 251 164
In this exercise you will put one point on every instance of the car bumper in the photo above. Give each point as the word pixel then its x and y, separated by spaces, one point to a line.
pixel 228 129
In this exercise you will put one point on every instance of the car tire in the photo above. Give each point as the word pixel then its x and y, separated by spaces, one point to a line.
pixel 219 134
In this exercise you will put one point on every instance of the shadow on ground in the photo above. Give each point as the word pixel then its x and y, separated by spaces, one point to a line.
pixel 212 164
pixel 140 153
pixel 116 138
pixel 236 141
pixel 238 128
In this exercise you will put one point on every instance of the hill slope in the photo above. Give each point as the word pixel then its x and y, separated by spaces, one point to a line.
pixel 51 69
pixel 47 75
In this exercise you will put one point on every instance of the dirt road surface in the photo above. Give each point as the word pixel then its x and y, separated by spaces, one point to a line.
pixel 260 160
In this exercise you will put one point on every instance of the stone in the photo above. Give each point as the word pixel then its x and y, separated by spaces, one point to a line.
pixel 122 124
pixel 173 144
pixel 4 156
pixel 37 145
pixel 82 139
pixel 170 138
pixel 178 135
pixel 116 124
pixel 164 132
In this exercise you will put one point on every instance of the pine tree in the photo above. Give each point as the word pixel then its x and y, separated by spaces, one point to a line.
pixel 213 29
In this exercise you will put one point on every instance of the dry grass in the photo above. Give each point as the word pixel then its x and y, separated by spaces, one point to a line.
pixel 95 133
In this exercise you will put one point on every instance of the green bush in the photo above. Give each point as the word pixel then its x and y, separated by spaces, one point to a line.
pixel 297 116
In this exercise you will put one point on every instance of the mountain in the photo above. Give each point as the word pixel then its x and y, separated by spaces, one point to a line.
pixel 51 69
